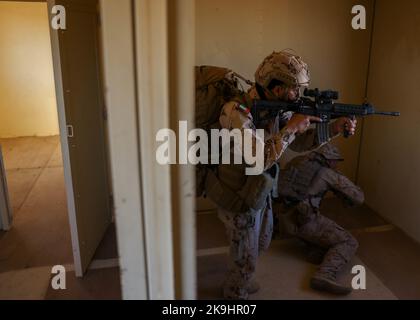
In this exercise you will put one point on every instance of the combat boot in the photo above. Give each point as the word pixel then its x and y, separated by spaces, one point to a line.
pixel 315 255
pixel 328 283
pixel 232 292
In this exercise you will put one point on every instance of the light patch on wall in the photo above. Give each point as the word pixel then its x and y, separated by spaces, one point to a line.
pixel 27 93
pixel 390 155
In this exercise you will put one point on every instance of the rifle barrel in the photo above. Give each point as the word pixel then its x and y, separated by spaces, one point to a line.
pixel 384 113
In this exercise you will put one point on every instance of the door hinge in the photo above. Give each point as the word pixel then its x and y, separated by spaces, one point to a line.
pixel 70 131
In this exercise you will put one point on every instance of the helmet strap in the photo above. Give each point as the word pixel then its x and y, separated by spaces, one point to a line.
pixel 261 91
pixel 265 94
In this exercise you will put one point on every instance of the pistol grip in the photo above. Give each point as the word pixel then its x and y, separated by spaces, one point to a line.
pixel 323 132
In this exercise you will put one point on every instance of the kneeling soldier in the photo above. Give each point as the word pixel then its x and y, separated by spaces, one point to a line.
pixel 302 186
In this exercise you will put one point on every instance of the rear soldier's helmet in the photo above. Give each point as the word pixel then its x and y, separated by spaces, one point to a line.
pixel 330 152
pixel 285 67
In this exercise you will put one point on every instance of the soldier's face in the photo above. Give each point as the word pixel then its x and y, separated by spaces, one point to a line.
pixel 286 93
pixel 293 93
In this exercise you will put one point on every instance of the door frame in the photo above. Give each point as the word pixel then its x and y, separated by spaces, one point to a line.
pixel 58 82
pixel 149 78
pixel 59 92
pixel 63 139
pixel 63 130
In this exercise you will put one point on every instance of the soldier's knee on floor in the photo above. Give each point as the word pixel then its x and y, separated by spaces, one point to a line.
pixel 353 243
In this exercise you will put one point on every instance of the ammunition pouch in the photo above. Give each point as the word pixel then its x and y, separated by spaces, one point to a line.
pixel 223 196
pixel 241 215
pixel 252 194
pixel 256 190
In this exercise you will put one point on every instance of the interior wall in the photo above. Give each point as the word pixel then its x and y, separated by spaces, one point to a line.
pixel 239 33
pixel 390 154
pixel 27 94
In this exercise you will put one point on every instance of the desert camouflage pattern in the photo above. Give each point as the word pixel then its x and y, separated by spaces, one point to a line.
pixel 283 66
pixel 331 180
pixel 330 152
pixel 249 234
pixel 304 220
pixel 276 139
pixel 322 233
pixel 247 241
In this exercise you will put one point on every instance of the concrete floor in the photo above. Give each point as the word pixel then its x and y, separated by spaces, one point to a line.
pixel 40 237
pixel 391 259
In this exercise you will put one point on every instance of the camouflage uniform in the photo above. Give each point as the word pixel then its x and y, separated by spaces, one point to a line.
pixel 250 233
pixel 334 245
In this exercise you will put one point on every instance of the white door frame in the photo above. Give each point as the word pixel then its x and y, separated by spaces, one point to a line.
pixel 152 57
pixel 71 206
pixel 120 96
pixel 154 205
pixel 181 26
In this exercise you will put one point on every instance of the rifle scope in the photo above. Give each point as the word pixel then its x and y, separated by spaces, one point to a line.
pixel 324 95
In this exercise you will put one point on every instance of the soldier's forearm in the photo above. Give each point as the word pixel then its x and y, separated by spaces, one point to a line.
pixel 348 189
pixel 275 147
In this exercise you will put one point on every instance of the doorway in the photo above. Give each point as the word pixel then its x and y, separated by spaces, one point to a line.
pixel 48 195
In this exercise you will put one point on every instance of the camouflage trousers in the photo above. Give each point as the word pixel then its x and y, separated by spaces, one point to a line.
pixel 322 233
pixel 249 234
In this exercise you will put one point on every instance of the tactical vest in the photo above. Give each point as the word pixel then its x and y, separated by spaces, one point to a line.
pixel 228 186
pixel 253 190
pixel 231 189
pixel 295 180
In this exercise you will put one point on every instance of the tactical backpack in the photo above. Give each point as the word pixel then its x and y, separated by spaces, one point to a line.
pixel 214 86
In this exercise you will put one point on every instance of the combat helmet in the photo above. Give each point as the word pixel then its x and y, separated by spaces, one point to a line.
pixel 329 152
pixel 283 66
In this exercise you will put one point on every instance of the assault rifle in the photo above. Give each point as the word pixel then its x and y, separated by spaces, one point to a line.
pixel 315 103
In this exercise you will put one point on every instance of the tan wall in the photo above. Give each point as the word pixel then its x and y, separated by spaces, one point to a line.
pixel 240 33
pixel 27 94
pixel 390 155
